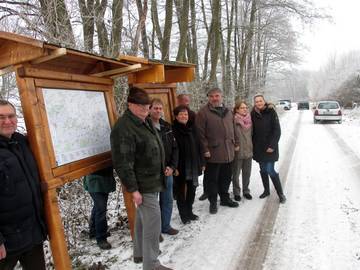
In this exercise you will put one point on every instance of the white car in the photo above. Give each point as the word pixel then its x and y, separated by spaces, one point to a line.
pixel 283 104
pixel 328 111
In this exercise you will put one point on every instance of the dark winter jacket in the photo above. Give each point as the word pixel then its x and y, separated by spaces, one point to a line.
pixel 266 134
pixel 170 145
pixel 216 132
pixel 22 223
pixel 138 154
pixel 190 154
pixel 100 181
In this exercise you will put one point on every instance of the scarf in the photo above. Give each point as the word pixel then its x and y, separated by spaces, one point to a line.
pixel 243 121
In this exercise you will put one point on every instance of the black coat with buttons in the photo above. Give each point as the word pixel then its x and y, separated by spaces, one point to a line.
pixel 22 223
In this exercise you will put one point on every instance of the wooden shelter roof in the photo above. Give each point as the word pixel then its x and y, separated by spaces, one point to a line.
pixel 20 50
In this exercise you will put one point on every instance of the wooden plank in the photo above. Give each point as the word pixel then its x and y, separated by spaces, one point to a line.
pixel 55 54
pixel 88 56
pixel 46 74
pixel 156 86
pixel 184 74
pixel 34 126
pixel 46 128
pixel 58 244
pixel 156 74
pixel 134 59
pixel 111 107
pixel 76 174
pixel 119 71
pixel 21 39
pixel 12 53
pixel 6 70
pixel 77 165
pixel 71 85
pixel 130 209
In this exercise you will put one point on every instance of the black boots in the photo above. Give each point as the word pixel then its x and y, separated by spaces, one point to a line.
pixel 277 184
pixel 265 181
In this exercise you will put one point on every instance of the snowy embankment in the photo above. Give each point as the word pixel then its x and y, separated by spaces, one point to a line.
pixel 212 242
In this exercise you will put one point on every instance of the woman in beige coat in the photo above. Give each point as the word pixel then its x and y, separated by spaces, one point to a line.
pixel 243 155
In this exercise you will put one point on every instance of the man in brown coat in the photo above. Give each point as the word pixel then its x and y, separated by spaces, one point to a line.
pixel 215 126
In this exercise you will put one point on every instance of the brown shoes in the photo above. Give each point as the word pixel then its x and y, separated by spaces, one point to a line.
pixel 172 231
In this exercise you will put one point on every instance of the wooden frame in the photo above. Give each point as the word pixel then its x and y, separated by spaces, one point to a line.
pixel 53 176
pixel 38 65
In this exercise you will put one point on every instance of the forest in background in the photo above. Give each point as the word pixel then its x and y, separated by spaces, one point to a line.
pixel 236 45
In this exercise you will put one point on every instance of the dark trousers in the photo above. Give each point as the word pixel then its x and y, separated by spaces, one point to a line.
pixel 29 260
pixel 98 223
pixel 218 179
pixel 185 196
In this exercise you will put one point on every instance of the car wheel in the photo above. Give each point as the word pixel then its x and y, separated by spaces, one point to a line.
pixel 316 121
pixel 340 121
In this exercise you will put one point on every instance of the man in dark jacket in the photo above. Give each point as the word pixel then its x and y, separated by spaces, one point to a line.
pixel 171 162
pixel 22 226
pixel 138 159
pixel 216 131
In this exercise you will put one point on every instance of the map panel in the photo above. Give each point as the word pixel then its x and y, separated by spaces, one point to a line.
pixel 79 123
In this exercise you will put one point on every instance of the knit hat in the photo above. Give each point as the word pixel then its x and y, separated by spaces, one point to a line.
pixel 138 96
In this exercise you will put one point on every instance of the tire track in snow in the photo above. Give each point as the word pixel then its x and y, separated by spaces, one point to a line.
pixel 253 257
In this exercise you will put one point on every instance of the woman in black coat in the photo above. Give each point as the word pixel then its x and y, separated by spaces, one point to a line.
pixel 189 165
pixel 266 136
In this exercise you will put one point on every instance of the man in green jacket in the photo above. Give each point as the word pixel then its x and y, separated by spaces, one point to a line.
pixel 138 159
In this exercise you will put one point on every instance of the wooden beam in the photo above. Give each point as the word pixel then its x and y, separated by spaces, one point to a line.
pixel 21 39
pixel 55 75
pixel 6 70
pixel 133 59
pixel 181 74
pixel 55 54
pixel 119 71
pixel 155 74
pixel 12 53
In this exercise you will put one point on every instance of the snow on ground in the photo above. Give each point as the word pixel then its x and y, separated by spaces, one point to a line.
pixel 212 242
pixel 318 227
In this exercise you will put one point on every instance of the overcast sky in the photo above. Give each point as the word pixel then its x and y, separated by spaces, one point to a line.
pixel 326 38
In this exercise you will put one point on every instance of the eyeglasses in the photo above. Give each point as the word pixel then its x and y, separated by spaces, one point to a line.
pixel 11 117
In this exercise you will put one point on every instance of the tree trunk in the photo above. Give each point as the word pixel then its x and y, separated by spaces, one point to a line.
pixel 103 39
pixel 247 48
pixel 117 25
pixel 57 22
pixel 87 17
pixel 184 21
pixel 214 36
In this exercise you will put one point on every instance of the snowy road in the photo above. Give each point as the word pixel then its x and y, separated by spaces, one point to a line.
pixel 318 227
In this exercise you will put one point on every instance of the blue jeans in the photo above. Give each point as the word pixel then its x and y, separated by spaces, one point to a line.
pixel 268 167
pixel 98 223
pixel 166 204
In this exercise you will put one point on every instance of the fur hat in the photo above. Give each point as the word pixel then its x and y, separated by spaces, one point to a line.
pixel 138 96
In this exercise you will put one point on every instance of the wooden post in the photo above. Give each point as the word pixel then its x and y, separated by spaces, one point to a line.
pixel 56 231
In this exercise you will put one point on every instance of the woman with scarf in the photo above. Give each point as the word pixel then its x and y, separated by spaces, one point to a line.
pixel 243 155
pixel 189 165
pixel 266 136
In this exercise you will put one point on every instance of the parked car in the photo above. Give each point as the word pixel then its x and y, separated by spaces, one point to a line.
pixel 303 105
pixel 286 105
pixel 286 100
pixel 328 111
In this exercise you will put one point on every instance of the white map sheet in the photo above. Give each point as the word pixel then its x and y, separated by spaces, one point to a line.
pixel 78 122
